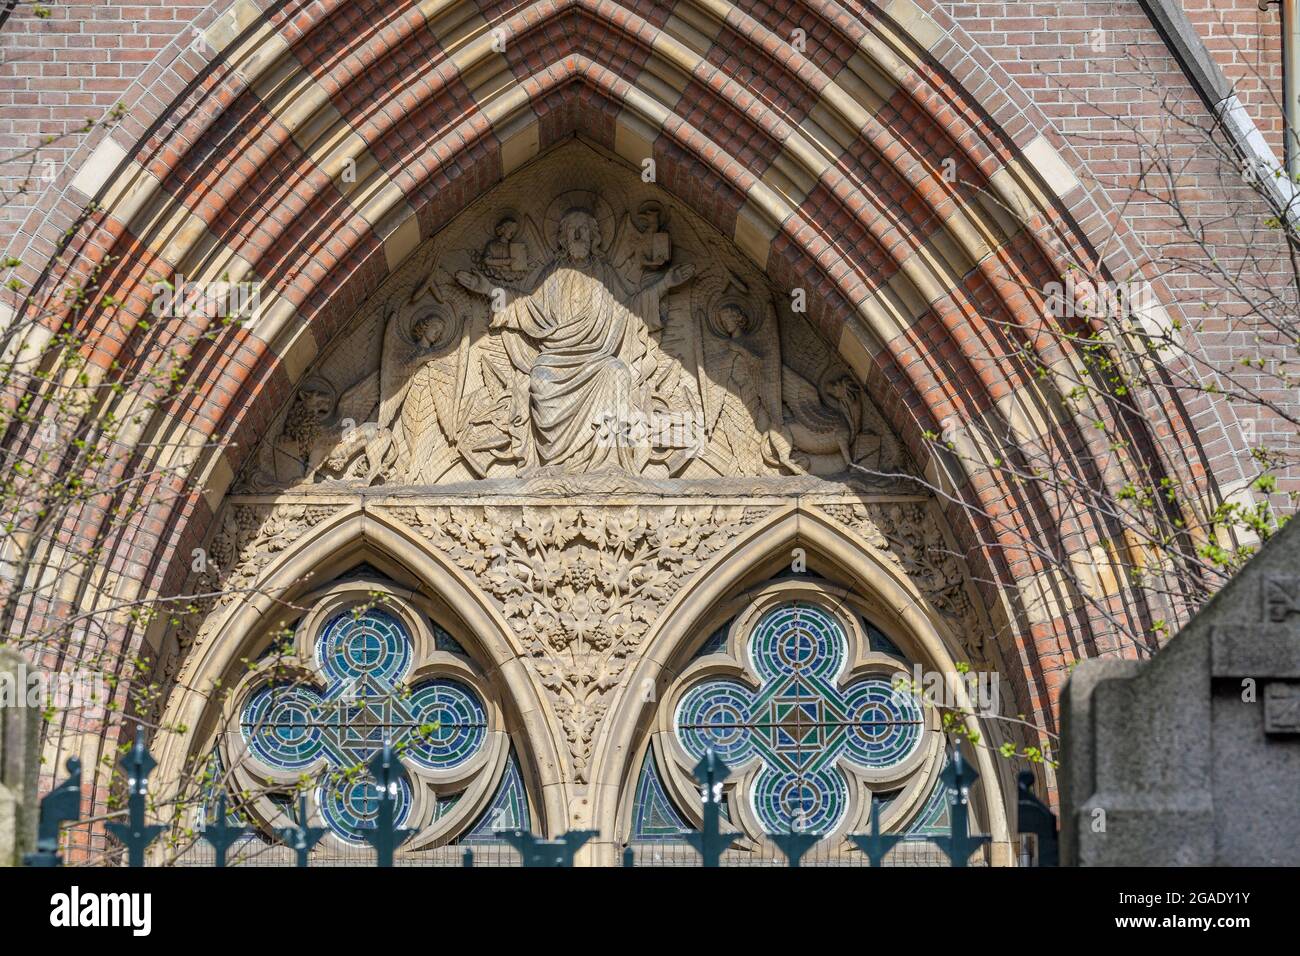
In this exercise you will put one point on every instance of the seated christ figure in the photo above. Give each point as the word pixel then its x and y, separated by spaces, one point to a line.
pixel 581 339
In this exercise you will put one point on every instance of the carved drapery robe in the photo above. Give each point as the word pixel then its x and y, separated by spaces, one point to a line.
pixel 587 405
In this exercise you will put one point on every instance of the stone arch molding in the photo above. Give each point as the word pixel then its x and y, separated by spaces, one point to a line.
pixel 472 776
pixel 733 663
pixel 454 431
pixel 829 181
pixel 622 590
pixel 870 547
pixel 278 554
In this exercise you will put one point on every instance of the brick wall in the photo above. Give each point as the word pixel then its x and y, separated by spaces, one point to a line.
pixel 1101 75
pixel 988 85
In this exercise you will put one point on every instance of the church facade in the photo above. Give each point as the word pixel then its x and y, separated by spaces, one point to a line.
pixel 583 422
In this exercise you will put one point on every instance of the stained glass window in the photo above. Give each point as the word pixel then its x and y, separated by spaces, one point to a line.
pixel 507 811
pixel 654 818
pixel 796 716
pixel 364 660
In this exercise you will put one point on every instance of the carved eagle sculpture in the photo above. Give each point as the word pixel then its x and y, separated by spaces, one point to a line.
pixel 823 419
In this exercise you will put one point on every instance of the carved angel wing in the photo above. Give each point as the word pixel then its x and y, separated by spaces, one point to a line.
pixel 537 252
pixel 766 341
pixel 423 380
pixel 358 402
pixel 394 368
pixel 496 366
pixel 806 404
pixel 623 249
pixel 428 418
pixel 705 293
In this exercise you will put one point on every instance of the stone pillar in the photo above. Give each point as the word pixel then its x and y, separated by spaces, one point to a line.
pixel 20 728
pixel 1193 757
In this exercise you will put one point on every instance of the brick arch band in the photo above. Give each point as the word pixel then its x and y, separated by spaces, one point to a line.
pixel 313 145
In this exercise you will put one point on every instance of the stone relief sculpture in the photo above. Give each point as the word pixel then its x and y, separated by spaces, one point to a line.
pixel 909 536
pixel 742 386
pixel 580 587
pixel 560 335
pixel 580 336
pixel 581 397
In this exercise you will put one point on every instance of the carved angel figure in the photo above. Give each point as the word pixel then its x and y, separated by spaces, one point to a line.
pixel 578 335
pixel 398 422
pixel 344 444
pixel 502 257
pixel 419 376
pixel 743 415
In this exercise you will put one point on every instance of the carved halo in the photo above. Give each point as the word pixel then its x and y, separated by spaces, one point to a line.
pixel 448 322
pixel 721 292
pixel 585 199
pixel 652 206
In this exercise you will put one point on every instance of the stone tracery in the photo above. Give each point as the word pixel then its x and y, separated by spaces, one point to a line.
pixel 582 417
pixel 809 720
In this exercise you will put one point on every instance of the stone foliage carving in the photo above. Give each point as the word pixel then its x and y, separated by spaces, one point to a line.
pixel 247 538
pixel 909 536
pixel 569 329
pixel 580 586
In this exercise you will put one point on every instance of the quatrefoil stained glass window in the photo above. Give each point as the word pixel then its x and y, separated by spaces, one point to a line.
pixel 795 726
pixel 329 724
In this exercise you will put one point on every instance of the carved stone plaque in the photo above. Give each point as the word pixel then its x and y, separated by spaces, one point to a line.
pixel 1282 708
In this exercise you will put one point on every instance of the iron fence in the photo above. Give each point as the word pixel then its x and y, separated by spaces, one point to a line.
pixel 222 844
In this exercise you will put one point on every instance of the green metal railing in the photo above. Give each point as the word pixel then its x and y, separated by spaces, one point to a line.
pixel 63 806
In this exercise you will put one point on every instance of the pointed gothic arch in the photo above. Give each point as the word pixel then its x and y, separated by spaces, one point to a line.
pixel 289 587
pixel 868 579
pixel 827 180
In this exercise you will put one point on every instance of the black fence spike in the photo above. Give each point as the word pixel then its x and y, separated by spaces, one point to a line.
pixel 135 834
pixel 300 837
pixel 61 805
pixel 876 844
pixel 794 845
pixel 959 844
pixel 1034 816
pixel 548 853
pixel 386 836
pixel 709 841
pixel 220 835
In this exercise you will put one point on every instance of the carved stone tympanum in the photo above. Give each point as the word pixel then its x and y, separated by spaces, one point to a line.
pixel 580 586
pixel 574 403
pixel 575 331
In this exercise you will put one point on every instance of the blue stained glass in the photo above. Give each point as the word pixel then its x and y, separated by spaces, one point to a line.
pixel 373 644
pixel 442 641
pixel 879 642
pixel 798 722
pixel 349 805
pixel 716 644
pixel 797 638
pixel 439 725
pixel 716 714
pixel 654 818
pixel 934 820
pixel 507 811
pixel 884 723
pixel 461 724
pixel 280 726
